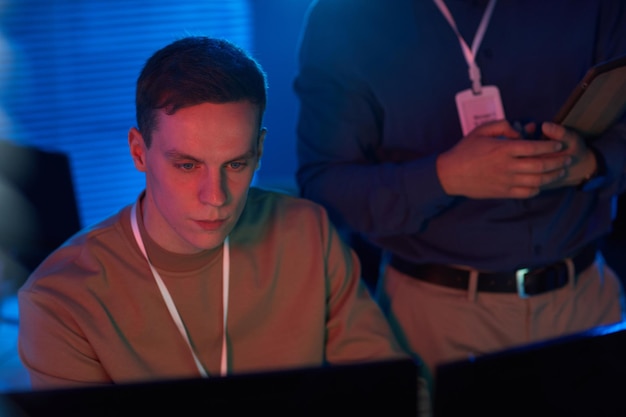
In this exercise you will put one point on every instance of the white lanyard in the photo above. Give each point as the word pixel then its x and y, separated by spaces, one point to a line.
pixel 470 54
pixel 169 302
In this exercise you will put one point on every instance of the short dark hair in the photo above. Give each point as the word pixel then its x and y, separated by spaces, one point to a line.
pixel 195 70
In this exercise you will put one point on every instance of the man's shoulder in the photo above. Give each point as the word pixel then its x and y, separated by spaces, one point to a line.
pixel 103 233
pixel 260 199
pixel 275 218
pixel 80 257
pixel 275 213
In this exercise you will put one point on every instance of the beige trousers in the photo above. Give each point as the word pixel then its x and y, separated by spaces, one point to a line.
pixel 441 324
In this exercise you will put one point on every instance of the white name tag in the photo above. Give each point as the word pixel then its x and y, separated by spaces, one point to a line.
pixel 476 109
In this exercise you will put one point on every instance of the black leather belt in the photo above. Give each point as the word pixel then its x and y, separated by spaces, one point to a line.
pixel 525 282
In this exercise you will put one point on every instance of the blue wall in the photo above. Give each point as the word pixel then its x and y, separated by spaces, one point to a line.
pixel 277 26
pixel 68 70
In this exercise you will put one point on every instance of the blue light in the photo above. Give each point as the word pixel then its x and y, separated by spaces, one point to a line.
pixel 73 85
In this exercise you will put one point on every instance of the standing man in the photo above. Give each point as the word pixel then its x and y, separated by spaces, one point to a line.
pixel 407 135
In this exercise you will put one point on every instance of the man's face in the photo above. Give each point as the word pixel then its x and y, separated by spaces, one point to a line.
pixel 198 171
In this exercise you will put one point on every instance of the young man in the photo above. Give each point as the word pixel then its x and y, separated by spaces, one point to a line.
pixel 203 275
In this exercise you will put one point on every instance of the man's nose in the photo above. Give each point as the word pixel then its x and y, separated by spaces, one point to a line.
pixel 213 189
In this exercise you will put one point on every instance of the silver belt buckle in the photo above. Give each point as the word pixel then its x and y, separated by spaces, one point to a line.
pixel 520 274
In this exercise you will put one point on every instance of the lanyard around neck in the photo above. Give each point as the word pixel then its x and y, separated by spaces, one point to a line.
pixel 470 54
pixel 169 302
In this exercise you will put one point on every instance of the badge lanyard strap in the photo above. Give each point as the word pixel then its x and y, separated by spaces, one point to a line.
pixel 169 302
pixel 470 54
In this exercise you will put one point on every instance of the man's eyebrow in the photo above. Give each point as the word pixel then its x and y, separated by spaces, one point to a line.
pixel 174 154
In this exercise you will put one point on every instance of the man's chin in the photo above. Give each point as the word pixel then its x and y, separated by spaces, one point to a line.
pixel 210 241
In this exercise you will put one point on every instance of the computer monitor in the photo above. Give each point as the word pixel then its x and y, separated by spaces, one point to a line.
pixel 579 375
pixel 386 388
pixel 38 207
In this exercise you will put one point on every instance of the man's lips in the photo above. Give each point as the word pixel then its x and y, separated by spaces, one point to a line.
pixel 210 225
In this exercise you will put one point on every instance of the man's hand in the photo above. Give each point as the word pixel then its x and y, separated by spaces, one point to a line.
pixel 583 159
pixel 493 162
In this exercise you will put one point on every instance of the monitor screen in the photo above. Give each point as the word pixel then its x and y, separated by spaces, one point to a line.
pixel 381 388
pixel 579 375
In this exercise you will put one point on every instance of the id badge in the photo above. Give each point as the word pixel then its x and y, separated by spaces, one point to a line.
pixel 476 109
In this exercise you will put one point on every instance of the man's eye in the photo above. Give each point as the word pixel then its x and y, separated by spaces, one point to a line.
pixel 186 166
pixel 237 165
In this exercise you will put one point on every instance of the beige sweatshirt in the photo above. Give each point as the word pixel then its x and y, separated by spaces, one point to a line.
pixel 92 312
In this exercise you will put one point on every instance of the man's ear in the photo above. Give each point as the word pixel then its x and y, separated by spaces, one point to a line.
pixel 260 143
pixel 137 148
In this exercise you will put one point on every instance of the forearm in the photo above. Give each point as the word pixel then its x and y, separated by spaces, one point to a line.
pixel 379 199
